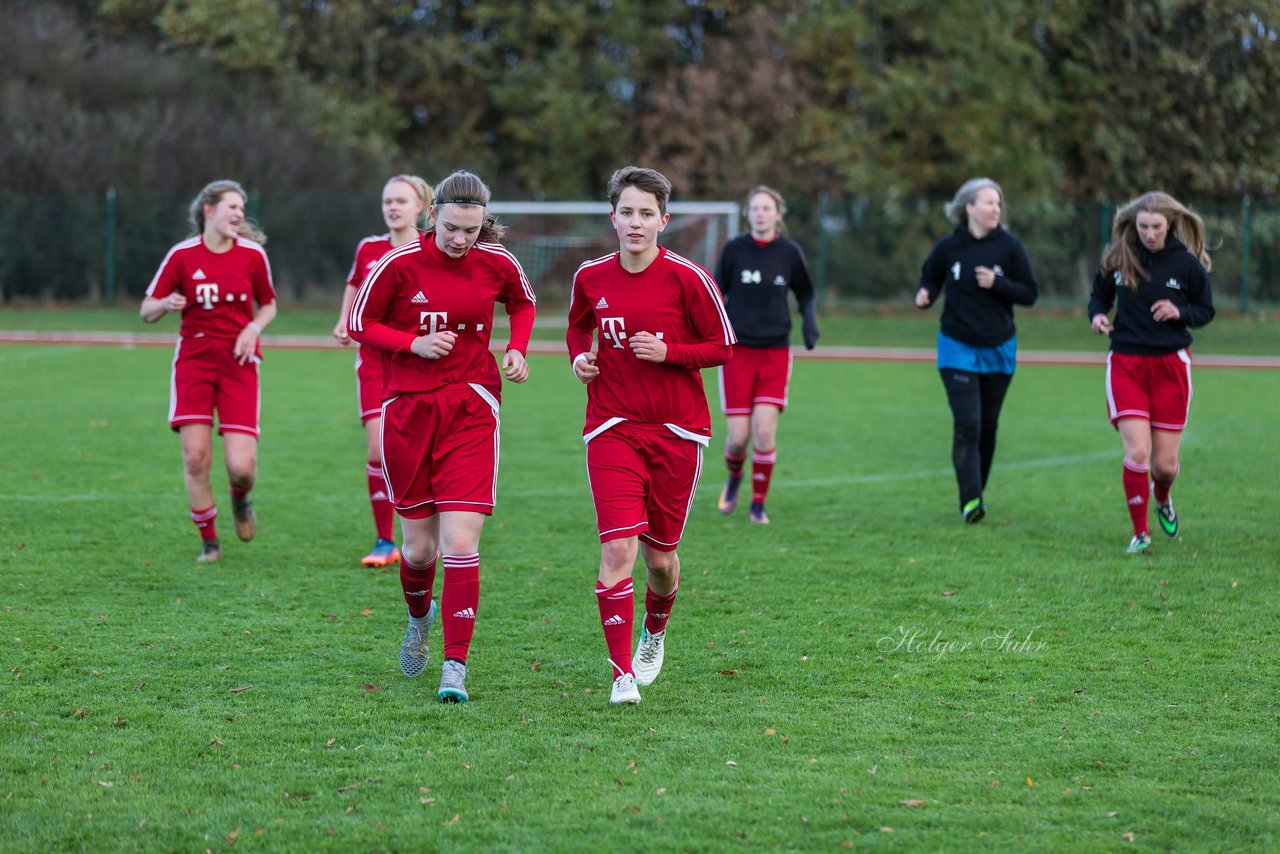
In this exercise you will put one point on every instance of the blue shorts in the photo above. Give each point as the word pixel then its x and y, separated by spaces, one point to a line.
pixel 1001 359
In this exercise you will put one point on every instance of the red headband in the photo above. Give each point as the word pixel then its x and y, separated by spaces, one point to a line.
pixel 412 186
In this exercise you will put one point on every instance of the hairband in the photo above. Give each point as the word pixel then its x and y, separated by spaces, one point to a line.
pixel 406 180
pixel 440 202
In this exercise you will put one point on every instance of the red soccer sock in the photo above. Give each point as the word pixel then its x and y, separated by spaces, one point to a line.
pixel 657 609
pixel 384 514
pixel 1135 493
pixel 734 464
pixel 238 495
pixel 617 617
pixel 761 473
pixel 1161 487
pixel 459 602
pixel 416 580
pixel 204 522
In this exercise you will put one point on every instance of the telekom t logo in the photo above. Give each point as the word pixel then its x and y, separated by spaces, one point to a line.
pixel 433 321
pixel 207 295
pixel 614 329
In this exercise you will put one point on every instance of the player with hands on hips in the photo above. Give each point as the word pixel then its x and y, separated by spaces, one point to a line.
pixel 755 273
pixel 643 322
pixel 1155 273
pixel 405 199
pixel 220 281
pixel 430 306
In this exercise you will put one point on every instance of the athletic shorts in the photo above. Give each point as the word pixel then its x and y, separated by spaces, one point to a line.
pixel 440 451
pixel 206 379
pixel 1155 388
pixel 643 479
pixel 754 375
pixel 369 380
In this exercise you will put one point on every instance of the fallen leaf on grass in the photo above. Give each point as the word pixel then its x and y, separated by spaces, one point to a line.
pixel 241 689
pixel 453 820
pixel 366 612
pixel 1030 783
pixel 330 742
pixel 535 666
pixel 1129 836
pixel 372 689
pixel 728 673
pixel 886 830
pixel 873 769
pixel 731 764
pixel 913 803
pixel 993 784
pixel 770 731
pixel 426 800
pixel 217 742
pixel 948 593
pixel 231 837
pixel 1112 814
pixel 106 784
pixel 660 791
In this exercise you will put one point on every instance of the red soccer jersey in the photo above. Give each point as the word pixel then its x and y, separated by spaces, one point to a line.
pixel 416 289
pixel 221 288
pixel 673 298
pixel 368 254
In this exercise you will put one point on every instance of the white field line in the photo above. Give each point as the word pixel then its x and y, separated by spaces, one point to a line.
pixel 707 483
pixel 847 354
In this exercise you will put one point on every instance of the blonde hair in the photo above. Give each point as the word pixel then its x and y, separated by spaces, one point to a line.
pixel 1121 254
pixel 967 195
pixel 211 195
pixel 466 188
pixel 421 189
pixel 761 189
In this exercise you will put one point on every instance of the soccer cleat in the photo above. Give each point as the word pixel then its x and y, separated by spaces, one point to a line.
pixel 246 519
pixel 756 513
pixel 384 553
pixel 212 551
pixel 624 690
pixel 648 658
pixel 1168 518
pixel 1139 545
pixel 413 651
pixel 453 677
pixel 973 511
pixel 729 495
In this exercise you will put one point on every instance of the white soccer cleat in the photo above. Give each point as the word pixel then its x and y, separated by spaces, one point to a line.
pixel 648 658
pixel 624 690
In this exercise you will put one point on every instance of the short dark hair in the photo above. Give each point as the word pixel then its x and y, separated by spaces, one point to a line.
pixel 645 180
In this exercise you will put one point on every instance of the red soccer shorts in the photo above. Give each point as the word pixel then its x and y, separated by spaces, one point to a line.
pixel 207 379
pixel 643 479
pixel 754 375
pixel 440 451
pixel 369 380
pixel 1156 388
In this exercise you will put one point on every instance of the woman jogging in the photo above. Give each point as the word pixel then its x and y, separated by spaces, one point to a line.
pixel 1155 271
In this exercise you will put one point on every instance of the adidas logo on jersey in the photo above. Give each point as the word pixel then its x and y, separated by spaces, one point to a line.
pixel 615 620
pixel 419 298
pixel 198 274
pixel 465 614
pixel 602 304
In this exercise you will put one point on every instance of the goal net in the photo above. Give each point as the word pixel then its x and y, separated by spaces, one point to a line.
pixel 551 239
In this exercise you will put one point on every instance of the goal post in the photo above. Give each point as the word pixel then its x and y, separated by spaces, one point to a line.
pixel 551 239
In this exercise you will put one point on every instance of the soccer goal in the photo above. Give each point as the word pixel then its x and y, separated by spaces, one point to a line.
pixel 552 238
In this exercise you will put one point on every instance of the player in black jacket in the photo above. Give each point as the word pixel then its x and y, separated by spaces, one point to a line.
pixel 1155 271
pixel 755 272
pixel 985 272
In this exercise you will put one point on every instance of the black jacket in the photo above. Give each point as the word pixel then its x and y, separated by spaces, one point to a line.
pixel 1174 274
pixel 755 279
pixel 979 317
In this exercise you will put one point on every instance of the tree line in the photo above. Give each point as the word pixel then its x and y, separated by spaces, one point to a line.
pixel 1065 99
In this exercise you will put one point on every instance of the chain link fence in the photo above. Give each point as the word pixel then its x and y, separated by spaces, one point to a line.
pixel 105 248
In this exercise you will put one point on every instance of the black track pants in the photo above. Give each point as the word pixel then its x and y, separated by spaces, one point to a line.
pixel 975 409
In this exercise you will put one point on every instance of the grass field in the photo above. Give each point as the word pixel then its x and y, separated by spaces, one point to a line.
pixel 864 672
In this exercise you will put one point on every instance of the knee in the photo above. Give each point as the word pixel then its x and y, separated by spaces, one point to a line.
pixel 196 461
pixel 966 430
pixel 418 549
pixel 662 564
pixel 1164 470
pixel 617 557
pixel 242 475
pixel 735 446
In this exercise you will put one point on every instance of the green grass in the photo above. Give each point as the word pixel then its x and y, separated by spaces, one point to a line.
pixel 1231 333
pixel 148 703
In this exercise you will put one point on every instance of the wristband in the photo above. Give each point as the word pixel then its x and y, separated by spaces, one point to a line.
pixel 256 327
